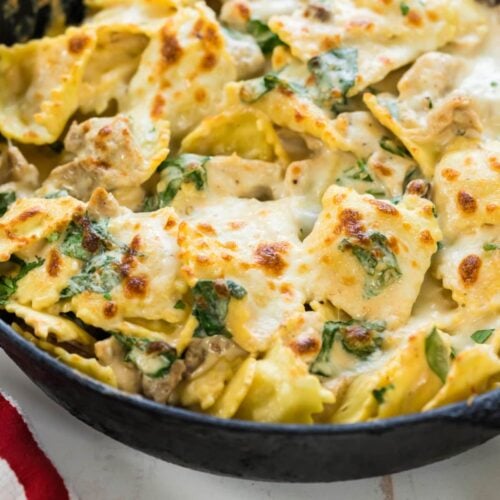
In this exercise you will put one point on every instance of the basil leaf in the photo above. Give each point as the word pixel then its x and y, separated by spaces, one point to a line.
pixel 211 303
pixel 335 74
pixel 481 336
pixel 6 199
pixel 359 172
pixel 379 394
pixel 377 259
pixel 265 38
pixel 153 358
pixel 437 356
pixel 360 338
pixel 8 284
pixel 186 168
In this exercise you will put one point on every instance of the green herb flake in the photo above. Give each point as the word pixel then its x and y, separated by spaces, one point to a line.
pixel 8 284
pixel 210 305
pixel 186 168
pixel 379 394
pixel 6 199
pixel 494 84
pixel 335 74
pixel 265 38
pixel 405 8
pixel 377 259
pixel 490 247
pixel 359 338
pixel 180 305
pixel 359 172
pixel 62 193
pixel 51 238
pixel 481 336
pixel 393 147
pixel 437 354
pixel 153 358
pixel 255 89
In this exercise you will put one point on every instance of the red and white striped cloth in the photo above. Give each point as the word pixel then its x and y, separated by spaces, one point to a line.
pixel 25 471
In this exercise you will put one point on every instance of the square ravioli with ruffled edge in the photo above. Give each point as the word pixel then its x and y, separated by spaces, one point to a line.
pixel 254 245
pixel 368 256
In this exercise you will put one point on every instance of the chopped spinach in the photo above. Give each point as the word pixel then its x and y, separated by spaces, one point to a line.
pixel 265 38
pixel 100 274
pixel 51 238
pixel 61 193
pixel 254 89
pixel 180 305
pixel 393 147
pixel 377 259
pixel 186 168
pixel 358 172
pixel 335 74
pixel 153 358
pixel 6 199
pixel 490 247
pixel 85 237
pixel 405 9
pixel 379 394
pixel 8 284
pixel 357 337
pixel 437 355
pixel 211 302
pixel 481 336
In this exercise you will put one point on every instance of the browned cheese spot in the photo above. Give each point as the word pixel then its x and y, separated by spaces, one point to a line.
pixel 466 202
pixel 77 43
pixel 469 269
pixel 171 50
pixel 110 309
pixel 54 263
pixel 135 286
pixel 384 207
pixel 270 257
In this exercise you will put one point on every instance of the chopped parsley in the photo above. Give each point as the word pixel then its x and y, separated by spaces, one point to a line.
pixel 51 238
pixel 211 302
pixel 379 394
pixel 335 74
pixel 360 338
pixel 393 147
pixel 377 259
pixel 186 168
pixel 153 358
pixel 405 8
pixel 265 38
pixel 481 336
pixel 6 199
pixel 437 354
pixel 8 284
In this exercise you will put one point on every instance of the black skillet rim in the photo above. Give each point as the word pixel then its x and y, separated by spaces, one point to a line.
pixel 452 411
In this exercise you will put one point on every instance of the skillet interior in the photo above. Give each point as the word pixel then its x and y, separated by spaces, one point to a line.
pixel 275 452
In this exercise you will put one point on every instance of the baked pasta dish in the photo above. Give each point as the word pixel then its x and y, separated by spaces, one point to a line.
pixel 279 211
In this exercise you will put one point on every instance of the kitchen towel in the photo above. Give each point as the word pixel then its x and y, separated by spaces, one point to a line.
pixel 26 473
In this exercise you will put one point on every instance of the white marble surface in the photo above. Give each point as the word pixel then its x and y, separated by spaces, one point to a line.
pixel 98 468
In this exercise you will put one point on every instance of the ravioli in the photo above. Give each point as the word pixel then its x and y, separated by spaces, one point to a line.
pixel 283 212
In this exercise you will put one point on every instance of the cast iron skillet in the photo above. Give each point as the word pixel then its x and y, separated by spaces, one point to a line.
pixel 250 450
